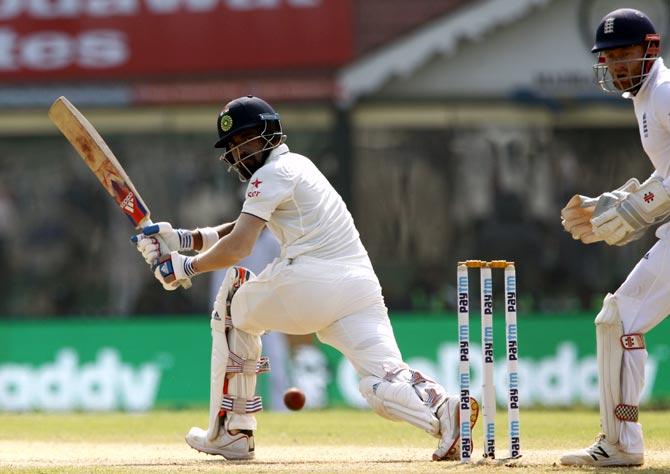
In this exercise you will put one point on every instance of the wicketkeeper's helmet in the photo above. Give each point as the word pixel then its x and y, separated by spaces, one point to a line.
pixel 621 28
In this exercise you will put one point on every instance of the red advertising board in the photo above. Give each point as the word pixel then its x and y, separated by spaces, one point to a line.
pixel 115 39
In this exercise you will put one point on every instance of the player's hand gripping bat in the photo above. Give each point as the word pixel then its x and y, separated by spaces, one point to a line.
pixel 100 159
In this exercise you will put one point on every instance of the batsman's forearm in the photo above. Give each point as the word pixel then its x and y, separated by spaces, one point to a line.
pixel 225 229
pixel 222 230
pixel 224 254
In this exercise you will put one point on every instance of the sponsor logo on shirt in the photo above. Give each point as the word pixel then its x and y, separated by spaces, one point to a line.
pixel 256 184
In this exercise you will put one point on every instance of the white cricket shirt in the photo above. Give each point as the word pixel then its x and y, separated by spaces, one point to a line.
pixel 652 109
pixel 303 210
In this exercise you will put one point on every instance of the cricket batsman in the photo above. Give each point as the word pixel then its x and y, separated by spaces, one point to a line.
pixel 322 282
pixel 627 46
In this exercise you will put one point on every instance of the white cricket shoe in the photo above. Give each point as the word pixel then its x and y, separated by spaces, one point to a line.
pixel 449 447
pixel 602 453
pixel 231 446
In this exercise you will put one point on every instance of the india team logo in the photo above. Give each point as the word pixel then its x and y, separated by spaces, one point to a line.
pixel 226 122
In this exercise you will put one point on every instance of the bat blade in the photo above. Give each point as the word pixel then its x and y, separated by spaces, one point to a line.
pixel 100 159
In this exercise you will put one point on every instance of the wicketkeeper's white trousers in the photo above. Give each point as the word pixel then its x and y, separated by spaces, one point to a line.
pixel 643 301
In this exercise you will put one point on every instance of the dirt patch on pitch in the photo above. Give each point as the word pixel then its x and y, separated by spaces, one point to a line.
pixel 128 457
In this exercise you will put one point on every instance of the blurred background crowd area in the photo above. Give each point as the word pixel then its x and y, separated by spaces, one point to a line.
pixel 453 130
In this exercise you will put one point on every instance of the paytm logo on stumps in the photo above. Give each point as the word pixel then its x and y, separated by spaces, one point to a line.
pixel 512 342
pixel 464 341
pixel 465 391
pixel 466 442
pixel 510 284
pixel 488 345
pixel 463 301
pixel 513 390
pixel 490 440
pixel 487 292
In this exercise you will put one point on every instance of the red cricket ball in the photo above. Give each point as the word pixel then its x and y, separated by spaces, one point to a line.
pixel 294 398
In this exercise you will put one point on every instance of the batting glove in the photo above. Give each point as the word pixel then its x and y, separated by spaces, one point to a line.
pixel 173 268
pixel 161 239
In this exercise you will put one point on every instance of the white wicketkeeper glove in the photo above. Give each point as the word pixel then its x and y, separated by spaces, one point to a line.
pixel 576 218
pixel 625 219
pixel 160 239
pixel 577 215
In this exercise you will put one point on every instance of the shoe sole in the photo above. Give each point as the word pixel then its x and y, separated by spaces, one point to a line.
pixel 474 416
pixel 601 464
pixel 212 452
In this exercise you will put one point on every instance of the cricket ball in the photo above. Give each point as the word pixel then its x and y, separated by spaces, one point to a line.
pixel 294 398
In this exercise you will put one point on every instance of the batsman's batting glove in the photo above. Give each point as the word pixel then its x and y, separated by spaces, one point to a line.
pixel 178 239
pixel 161 239
pixel 173 268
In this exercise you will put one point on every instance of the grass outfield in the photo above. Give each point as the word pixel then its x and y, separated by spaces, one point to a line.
pixel 309 441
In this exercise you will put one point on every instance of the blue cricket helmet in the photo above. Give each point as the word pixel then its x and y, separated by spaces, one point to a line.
pixel 246 112
pixel 624 27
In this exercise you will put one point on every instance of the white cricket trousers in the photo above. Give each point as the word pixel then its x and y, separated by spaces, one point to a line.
pixel 341 303
pixel 643 301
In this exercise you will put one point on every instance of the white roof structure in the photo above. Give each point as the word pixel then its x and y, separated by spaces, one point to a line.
pixel 407 54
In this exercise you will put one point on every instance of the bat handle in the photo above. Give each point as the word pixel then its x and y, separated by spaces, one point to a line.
pixel 186 282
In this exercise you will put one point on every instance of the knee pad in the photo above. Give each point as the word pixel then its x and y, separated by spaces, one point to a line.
pixel 404 394
pixel 234 279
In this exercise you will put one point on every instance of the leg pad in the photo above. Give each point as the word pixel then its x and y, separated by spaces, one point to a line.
pixel 239 365
pixel 403 394
pixel 241 406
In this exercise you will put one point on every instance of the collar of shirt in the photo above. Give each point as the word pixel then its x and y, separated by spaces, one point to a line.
pixel 651 77
pixel 280 150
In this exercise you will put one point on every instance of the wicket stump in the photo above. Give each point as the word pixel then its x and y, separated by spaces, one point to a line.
pixel 488 387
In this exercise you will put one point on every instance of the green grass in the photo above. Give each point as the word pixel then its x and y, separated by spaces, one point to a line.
pixel 306 433
pixel 540 429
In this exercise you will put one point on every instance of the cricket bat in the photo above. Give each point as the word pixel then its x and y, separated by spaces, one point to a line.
pixel 102 162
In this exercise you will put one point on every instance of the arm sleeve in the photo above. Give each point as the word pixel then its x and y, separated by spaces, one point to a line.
pixel 654 175
pixel 267 189
pixel 658 176
pixel 661 104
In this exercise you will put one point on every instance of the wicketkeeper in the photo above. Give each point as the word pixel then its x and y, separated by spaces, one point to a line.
pixel 322 283
pixel 627 46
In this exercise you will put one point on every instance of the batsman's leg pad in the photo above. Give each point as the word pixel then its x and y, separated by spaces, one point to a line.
pixel 235 277
pixel 220 353
pixel 236 361
pixel 406 395
pixel 611 343
pixel 244 363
